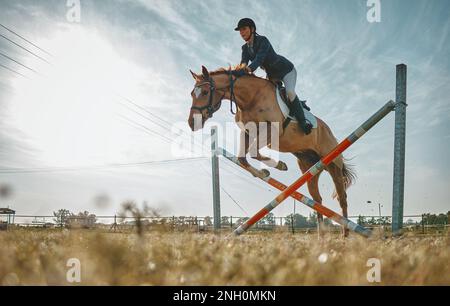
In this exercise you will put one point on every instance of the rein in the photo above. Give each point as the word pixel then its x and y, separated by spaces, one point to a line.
pixel 232 96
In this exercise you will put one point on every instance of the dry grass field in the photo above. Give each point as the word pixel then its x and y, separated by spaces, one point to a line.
pixel 39 257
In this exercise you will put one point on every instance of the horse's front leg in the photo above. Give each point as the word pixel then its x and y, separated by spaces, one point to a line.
pixel 245 144
pixel 270 162
pixel 264 140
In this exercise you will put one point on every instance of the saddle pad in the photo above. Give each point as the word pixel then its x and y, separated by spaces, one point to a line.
pixel 285 110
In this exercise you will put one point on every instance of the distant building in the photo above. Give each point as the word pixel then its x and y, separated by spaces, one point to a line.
pixel 7 214
pixel 6 217
pixel 81 221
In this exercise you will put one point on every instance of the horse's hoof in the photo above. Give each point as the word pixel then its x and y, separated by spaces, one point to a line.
pixel 243 161
pixel 281 166
pixel 265 173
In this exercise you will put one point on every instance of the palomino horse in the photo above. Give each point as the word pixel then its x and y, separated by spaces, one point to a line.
pixel 256 102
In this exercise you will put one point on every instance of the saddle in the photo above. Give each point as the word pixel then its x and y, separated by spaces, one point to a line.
pixel 283 93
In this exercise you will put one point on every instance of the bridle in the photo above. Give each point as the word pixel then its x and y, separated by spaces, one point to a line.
pixel 210 108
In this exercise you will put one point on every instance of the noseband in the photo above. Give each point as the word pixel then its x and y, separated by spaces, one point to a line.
pixel 210 108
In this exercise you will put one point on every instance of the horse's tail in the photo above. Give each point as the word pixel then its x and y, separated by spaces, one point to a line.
pixel 348 170
pixel 348 174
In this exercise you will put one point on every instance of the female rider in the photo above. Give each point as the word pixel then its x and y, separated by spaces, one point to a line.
pixel 260 52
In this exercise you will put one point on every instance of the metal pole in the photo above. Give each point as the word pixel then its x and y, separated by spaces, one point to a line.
pixel 215 178
pixel 423 225
pixel 399 151
pixel 381 218
pixel 319 166
pixel 293 220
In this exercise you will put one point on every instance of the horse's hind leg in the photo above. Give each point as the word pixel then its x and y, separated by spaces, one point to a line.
pixel 338 179
pixel 313 188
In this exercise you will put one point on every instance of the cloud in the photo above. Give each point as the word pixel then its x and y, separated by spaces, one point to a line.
pixel 173 17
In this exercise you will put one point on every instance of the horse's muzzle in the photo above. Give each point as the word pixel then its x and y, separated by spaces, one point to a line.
pixel 196 121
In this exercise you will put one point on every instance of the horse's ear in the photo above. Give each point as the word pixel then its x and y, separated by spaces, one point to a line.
pixel 205 72
pixel 194 75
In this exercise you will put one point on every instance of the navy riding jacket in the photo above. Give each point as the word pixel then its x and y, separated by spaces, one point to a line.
pixel 262 55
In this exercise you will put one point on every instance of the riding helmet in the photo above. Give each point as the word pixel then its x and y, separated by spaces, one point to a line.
pixel 245 22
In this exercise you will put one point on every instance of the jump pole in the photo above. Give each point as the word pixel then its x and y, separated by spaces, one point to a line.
pixel 319 166
pixel 304 199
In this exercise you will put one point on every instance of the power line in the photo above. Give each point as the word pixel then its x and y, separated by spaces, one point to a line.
pixel 133 124
pixel 7 68
pixel 160 125
pixel 68 169
pixel 8 29
pixel 13 42
pixel 145 128
pixel 187 137
pixel 147 118
pixel 223 189
pixel 226 192
pixel 11 59
pixel 145 110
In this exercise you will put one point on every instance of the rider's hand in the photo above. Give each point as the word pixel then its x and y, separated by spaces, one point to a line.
pixel 242 72
pixel 239 73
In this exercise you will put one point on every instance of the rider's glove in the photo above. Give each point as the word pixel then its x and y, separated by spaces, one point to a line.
pixel 239 73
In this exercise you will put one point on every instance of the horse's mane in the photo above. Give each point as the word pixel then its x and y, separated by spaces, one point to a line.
pixel 235 68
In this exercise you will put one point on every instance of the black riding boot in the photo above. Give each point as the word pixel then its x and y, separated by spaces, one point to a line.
pixel 297 111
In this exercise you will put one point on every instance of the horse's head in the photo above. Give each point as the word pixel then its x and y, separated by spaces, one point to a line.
pixel 206 99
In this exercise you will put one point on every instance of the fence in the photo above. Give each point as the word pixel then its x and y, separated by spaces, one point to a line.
pixel 414 223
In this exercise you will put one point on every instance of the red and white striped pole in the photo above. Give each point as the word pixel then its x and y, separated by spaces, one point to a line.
pixel 304 199
pixel 319 166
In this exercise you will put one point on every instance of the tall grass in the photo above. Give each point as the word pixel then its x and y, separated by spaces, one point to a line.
pixel 39 257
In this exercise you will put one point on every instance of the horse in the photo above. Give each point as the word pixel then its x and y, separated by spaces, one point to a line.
pixel 256 101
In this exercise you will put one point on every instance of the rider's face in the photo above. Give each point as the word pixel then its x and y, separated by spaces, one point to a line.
pixel 246 33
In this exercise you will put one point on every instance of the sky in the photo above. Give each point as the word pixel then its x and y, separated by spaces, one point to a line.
pixel 114 88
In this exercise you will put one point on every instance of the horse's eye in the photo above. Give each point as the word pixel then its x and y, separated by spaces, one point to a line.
pixel 204 93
